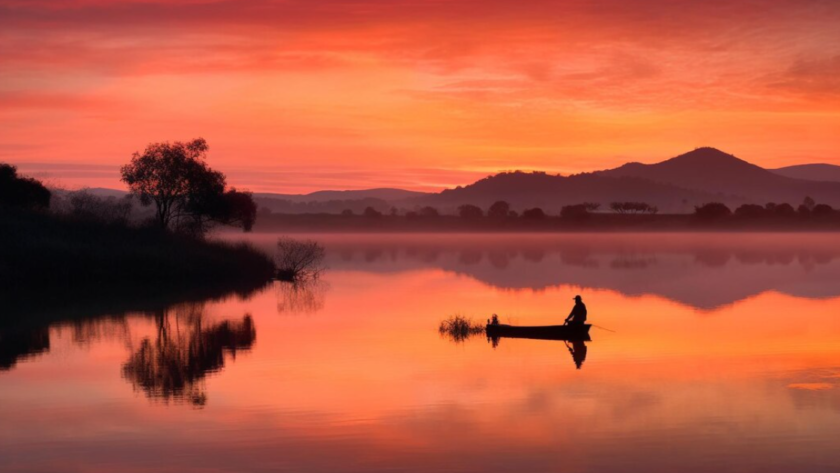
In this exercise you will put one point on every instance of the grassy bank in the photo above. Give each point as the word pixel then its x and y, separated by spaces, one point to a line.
pixel 46 251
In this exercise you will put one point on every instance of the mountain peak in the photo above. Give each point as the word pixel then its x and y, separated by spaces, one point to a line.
pixel 707 155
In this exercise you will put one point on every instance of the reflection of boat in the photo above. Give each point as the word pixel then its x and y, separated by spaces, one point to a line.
pixel 546 332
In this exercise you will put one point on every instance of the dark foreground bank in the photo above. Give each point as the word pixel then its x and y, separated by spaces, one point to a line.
pixel 44 251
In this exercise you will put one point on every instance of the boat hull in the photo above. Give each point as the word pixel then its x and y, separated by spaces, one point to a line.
pixel 546 332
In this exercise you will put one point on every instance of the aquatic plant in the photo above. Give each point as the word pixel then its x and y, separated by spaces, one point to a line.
pixel 459 328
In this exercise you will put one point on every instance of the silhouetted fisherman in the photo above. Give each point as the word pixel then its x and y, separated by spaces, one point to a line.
pixel 578 314
pixel 578 351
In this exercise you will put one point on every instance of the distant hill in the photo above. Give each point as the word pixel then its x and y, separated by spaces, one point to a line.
pixel 336 201
pixel 811 172
pixel 97 191
pixel 551 192
pixel 386 194
pixel 730 179
pixel 675 185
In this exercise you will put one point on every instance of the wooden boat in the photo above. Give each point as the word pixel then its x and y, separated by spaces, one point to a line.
pixel 545 332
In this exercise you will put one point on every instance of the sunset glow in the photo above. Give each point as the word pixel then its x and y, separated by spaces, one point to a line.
pixel 296 96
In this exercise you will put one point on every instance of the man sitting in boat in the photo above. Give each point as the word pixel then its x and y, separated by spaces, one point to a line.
pixel 578 315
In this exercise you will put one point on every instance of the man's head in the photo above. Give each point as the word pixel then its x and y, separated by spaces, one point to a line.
pixel 578 299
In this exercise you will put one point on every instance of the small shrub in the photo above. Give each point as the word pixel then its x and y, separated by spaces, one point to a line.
pixel 459 328
pixel 297 260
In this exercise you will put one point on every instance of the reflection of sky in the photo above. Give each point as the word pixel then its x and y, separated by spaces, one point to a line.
pixel 704 271
pixel 362 381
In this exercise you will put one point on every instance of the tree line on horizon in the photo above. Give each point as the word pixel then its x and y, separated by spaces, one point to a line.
pixel 501 211
pixel 808 208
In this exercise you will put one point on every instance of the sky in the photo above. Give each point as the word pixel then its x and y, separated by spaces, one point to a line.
pixel 295 96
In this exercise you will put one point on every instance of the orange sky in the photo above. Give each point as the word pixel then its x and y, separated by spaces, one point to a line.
pixel 301 95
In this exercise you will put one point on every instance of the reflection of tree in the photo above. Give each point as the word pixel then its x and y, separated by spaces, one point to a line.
pixel 301 297
pixel 624 262
pixel 713 258
pixel 19 344
pixel 175 363
pixel 470 256
pixel 499 259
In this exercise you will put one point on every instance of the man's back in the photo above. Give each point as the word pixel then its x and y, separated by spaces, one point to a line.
pixel 579 313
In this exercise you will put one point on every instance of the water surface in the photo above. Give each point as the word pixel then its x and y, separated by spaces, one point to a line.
pixel 712 353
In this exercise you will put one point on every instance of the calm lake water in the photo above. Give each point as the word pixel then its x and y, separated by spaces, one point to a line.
pixel 712 353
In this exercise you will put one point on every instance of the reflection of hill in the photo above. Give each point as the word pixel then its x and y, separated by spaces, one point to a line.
pixel 185 349
pixel 703 271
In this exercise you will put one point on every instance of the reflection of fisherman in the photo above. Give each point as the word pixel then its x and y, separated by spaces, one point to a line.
pixel 578 351
pixel 578 314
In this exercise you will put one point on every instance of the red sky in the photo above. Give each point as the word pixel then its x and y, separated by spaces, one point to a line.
pixel 301 95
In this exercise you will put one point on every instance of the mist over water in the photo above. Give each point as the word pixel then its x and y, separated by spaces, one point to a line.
pixel 711 352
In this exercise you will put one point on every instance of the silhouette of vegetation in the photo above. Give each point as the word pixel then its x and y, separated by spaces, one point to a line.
pixel 429 212
pixel 53 250
pixel 499 209
pixel 188 195
pixel 784 210
pixel 173 364
pixel 822 210
pixel 533 214
pixel 712 211
pixel 633 208
pixel 577 212
pixel 468 211
pixel 371 212
pixel 750 211
pixel 109 210
pixel 22 193
pixel 298 260
pixel 459 328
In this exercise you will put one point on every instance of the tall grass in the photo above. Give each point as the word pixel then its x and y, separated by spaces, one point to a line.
pixel 459 328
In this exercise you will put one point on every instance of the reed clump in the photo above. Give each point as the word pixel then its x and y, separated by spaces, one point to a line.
pixel 459 328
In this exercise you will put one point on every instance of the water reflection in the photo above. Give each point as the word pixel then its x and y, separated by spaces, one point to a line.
pixel 186 347
pixel 369 384
pixel 578 350
pixel 703 271
pixel 16 345
pixel 301 297
pixel 576 346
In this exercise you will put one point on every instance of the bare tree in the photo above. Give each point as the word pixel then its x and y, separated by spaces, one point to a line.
pixel 298 260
